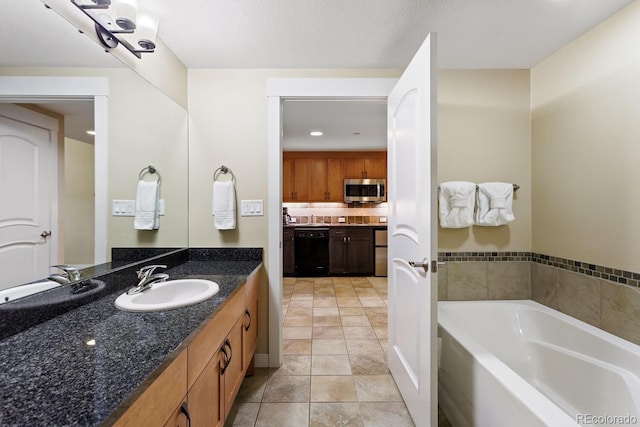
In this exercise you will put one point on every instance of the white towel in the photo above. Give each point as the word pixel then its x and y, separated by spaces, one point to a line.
pixel 456 203
pixel 495 200
pixel 147 203
pixel 224 205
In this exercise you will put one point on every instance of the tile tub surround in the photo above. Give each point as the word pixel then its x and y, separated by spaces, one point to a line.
pixel 605 297
pixel 53 373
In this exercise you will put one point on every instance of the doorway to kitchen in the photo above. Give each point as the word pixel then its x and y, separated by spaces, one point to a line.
pixel 280 91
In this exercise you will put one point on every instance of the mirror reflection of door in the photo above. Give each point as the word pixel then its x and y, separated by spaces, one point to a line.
pixel 27 184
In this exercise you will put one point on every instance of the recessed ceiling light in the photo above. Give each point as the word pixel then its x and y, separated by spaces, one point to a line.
pixel 91 132
pixel 315 133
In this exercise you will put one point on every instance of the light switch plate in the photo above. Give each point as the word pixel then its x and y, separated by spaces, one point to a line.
pixel 251 208
pixel 128 207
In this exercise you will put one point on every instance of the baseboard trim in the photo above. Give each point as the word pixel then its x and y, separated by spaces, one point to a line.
pixel 261 360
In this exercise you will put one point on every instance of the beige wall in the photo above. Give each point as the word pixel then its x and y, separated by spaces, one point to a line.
pixel 484 134
pixel 144 127
pixel 79 202
pixel 585 146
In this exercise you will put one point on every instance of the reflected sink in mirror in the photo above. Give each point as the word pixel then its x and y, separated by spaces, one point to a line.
pixel 58 295
pixel 168 295
pixel 22 291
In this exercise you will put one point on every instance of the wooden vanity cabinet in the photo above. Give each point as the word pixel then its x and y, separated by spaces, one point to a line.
pixel 208 373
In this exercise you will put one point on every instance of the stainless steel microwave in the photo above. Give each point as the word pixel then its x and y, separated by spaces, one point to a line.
pixel 365 190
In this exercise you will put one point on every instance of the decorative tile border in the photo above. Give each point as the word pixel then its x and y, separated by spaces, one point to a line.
pixel 602 272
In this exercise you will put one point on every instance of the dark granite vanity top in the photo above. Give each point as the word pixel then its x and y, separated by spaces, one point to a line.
pixel 81 366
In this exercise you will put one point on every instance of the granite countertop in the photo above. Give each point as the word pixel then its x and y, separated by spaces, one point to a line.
pixel 80 367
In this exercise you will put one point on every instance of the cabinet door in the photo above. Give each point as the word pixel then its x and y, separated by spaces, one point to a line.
pixel 317 180
pixel 353 168
pixel 249 333
pixel 375 168
pixel 287 180
pixel 360 252
pixel 206 403
pixel 288 252
pixel 335 181
pixel 233 372
pixel 337 251
pixel 301 180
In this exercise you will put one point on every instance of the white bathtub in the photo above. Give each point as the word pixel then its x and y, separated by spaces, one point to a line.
pixel 519 363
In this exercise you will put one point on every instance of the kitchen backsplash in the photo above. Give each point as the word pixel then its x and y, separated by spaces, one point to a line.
pixel 332 213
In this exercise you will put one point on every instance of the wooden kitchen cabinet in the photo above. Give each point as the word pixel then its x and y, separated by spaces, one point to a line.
pixel 288 252
pixel 365 168
pixel 288 179
pixel 351 251
pixel 335 181
pixel 207 375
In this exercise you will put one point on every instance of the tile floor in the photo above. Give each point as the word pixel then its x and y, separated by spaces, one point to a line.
pixel 334 370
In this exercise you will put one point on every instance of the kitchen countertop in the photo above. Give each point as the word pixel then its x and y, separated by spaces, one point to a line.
pixel 296 225
pixel 53 373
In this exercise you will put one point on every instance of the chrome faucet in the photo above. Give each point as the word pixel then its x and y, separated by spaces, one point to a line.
pixel 71 274
pixel 147 278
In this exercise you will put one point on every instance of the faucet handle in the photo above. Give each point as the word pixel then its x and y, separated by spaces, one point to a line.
pixel 147 270
pixel 73 273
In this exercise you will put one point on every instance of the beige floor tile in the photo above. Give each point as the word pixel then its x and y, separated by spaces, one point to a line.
pixel 352 311
pixel 328 346
pixel 364 346
pixel 327 332
pixel 252 389
pixel 372 302
pixel 297 347
pixel 385 414
pixel 381 331
pixel 294 365
pixel 367 293
pixel 283 415
pixel 355 321
pixel 300 311
pixel 333 389
pixel 377 319
pixel 330 365
pixel 243 415
pixel 376 388
pixel 349 302
pixel 325 303
pixel 326 321
pixel 298 321
pixel 324 293
pixel 335 414
pixel 287 388
pixel 297 332
pixel 368 364
pixel 326 311
pixel 359 332
pixel 299 303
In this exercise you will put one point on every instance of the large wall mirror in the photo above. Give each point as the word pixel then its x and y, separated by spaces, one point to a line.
pixel 137 126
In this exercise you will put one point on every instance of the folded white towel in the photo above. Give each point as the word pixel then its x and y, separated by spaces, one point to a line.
pixel 224 205
pixel 456 203
pixel 495 200
pixel 147 204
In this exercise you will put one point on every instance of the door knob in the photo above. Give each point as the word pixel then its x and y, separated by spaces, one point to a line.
pixel 45 234
pixel 424 264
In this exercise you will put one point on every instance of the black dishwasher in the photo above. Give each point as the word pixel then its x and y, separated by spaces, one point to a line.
pixel 312 251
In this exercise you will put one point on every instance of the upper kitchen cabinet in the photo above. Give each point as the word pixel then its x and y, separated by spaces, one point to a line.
pixel 318 176
pixel 371 166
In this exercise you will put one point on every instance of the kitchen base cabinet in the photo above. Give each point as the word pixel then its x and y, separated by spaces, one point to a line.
pixel 351 251
pixel 199 386
pixel 288 252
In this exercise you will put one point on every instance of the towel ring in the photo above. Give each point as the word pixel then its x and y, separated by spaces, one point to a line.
pixel 223 170
pixel 152 170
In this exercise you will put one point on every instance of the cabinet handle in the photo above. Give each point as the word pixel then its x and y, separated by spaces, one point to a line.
pixel 185 410
pixel 344 240
pixel 225 358
pixel 228 344
pixel 246 313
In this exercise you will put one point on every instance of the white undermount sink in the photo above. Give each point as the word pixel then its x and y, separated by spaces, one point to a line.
pixel 168 295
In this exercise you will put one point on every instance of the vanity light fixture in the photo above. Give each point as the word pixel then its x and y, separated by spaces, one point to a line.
pixel 315 133
pixel 121 24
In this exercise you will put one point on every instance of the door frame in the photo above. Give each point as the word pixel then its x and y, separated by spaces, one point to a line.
pixel 16 89
pixel 279 89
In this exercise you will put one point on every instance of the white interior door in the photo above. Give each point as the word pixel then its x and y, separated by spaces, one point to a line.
pixel 26 185
pixel 411 112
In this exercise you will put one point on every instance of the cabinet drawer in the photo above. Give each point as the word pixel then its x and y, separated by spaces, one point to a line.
pixel 157 403
pixel 206 344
